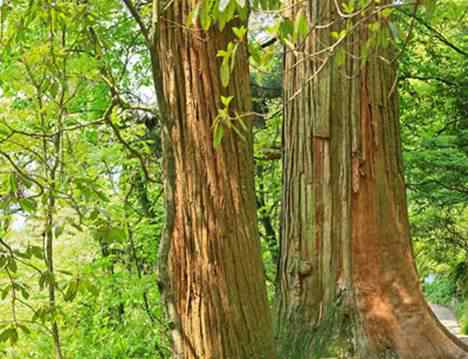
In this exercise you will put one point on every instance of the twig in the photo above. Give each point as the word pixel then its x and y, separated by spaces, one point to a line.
pixel 437 34
pixel 136 15
pixel 107 118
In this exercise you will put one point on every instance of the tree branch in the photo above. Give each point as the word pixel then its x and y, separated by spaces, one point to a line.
pixel 107 118
pixel 437 34
pixel 139 20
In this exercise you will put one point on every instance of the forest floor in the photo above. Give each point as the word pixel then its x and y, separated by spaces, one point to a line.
pixel 448 319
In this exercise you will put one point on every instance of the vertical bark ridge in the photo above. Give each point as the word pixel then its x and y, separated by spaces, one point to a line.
pixel 347 274
pixel 215 275
pixel 307 263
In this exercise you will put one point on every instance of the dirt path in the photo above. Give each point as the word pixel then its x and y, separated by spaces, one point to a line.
pixel 447 318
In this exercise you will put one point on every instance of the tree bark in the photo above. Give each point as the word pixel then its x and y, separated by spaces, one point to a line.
pixel 348 283
pixel 213 279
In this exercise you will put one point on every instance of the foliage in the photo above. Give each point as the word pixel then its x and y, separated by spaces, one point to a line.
pixel 434 131
pixel 80 150
pixel 441 291
pixel 74 184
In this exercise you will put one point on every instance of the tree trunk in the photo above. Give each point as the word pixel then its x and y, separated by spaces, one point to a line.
pixel 348 284
pixel 213 280
pixel 49 198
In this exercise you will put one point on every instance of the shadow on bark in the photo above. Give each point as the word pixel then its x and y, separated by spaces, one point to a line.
pixel 329 337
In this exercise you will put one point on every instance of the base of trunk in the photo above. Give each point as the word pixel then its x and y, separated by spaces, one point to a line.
pixel 345 331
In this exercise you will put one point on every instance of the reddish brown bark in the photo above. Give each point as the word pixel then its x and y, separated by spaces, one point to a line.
pixel 214 282
pixel 346 245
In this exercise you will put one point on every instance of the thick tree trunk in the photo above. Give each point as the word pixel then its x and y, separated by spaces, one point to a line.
pixel 213 280
pixel 348 282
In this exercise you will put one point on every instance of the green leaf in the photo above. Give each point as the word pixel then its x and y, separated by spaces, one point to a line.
pixel 233 56
pixel 12 266
pixel 3 261
pixel 24 328
pixel 24 293
pixel 387 12
pixel 58 230
pixel 340 57
pixel 222 53
pixel 9 334
pixel 93 215
pixel 225 73
pixel 25 254
pixel 28 205
pixel 241 3
pixel 264 4
pixel 4 131
pixel 243 13
pixel 13 181
pixel 40 315
pixel 301 27
pixel 101 195
pixel 194 14
pixel 13 336
pixel 218 135
pixel 89 286
pixel 46 278
pixel 27 183
pixel 348 8
pixel 5 291
pixel 72 290
pixel 205 17
pixel 338 35
pixel 223 4
pixel 227 15
pixel 429 6
pixel 116 234
pixel 286 28
pixel 37 252
pixel 226 100
pixel 239 32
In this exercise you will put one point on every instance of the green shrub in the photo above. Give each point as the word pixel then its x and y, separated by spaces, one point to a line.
pixel 441 291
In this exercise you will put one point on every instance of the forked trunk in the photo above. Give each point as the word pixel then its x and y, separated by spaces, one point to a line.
pixel 213 280
pixel 348 285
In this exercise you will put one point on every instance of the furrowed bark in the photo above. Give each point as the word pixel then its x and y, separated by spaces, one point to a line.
pixel 211 273
pixel 348 283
